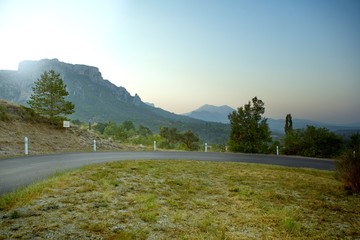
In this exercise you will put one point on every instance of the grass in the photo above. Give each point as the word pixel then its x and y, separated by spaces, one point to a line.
pixel 183 200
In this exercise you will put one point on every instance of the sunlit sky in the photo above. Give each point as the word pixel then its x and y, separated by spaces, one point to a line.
pixel 299 57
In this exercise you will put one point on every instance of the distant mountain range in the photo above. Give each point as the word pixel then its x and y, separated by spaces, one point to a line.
pixel 220 114
pixel 99 100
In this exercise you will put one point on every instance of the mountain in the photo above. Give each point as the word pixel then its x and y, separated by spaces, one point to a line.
pixel 99 100
pixel 211 113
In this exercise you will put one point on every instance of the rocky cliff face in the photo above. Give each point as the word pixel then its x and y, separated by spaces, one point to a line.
pixel 16 86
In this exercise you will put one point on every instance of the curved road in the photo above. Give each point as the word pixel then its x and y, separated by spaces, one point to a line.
pixel 19 172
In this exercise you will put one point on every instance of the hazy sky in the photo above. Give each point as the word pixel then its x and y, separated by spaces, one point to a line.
pixel 299 57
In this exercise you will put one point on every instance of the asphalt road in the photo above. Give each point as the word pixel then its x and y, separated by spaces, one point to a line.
pixel 19 172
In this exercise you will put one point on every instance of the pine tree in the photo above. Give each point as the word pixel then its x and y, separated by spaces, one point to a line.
pixel 48 97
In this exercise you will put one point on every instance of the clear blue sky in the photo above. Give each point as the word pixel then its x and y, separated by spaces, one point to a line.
pixel 299 57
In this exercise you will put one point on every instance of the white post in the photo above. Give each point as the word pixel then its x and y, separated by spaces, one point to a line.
pixel 205 147
pixel 277 150
pixel 94 145
pixel 26 146
pixel 154 145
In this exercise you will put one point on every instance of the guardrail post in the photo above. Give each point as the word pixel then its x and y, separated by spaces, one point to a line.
pixel 26 146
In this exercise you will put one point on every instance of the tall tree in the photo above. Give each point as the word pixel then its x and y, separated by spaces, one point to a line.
pixel 48 97
pixel 249 130
pixel 288 124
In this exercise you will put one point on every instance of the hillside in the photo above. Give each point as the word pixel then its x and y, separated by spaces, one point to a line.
pixel 98 100
pixel 18 122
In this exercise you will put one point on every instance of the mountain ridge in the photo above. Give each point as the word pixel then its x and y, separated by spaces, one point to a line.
pixel 211 113
pixel 98 100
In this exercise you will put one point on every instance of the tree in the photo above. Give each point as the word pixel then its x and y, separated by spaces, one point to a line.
pixel 144 131
pixel 128 125
pixel 48 97
pixel 170 134
pixel 249 130
pixel 173 138
pixel 190 140
pixel 288 124
pixel 313 142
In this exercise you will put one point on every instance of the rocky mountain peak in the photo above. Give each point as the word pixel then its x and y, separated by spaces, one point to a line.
pixel 81 80
pixel 91 72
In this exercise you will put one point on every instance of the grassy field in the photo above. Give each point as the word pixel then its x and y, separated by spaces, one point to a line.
pixel 182 200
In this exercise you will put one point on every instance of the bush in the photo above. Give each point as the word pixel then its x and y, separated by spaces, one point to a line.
pixel 3 115
pixel 348 171
pixel 313 142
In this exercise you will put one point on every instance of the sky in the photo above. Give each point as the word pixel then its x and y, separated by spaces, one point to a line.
pixel 298 57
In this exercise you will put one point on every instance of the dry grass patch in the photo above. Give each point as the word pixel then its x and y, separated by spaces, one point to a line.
pixel 184 200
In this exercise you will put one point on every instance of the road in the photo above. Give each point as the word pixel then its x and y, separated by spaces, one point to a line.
pixel 19 172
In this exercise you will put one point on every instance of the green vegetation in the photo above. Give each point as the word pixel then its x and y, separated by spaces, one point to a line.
pixel 249 130
pixel 183 200
pixel 173 139
pixel 348 167
pixel 126 132
pixel 48 95
pixel 313 142
pixel 348 171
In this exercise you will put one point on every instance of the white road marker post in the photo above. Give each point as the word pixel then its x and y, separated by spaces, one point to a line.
pixel 94 145
pixel 26 146
pixel 205 147
pixel 154 146
pixel 277 150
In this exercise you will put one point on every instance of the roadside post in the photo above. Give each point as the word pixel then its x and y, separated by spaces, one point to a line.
pixel 205 147
pixel 94 145
pixel 26 146
pixel 277 150
pixel 154 146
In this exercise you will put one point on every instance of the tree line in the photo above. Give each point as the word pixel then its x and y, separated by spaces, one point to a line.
pixel 249 132
pixel 167 138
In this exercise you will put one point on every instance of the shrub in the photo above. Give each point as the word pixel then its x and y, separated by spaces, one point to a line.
pixel 348 171
pixel 313 142
pixel 3 115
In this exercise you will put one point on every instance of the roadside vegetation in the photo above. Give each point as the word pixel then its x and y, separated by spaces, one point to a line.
pixel 45 136
pixel 183 200
pixel 250 133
